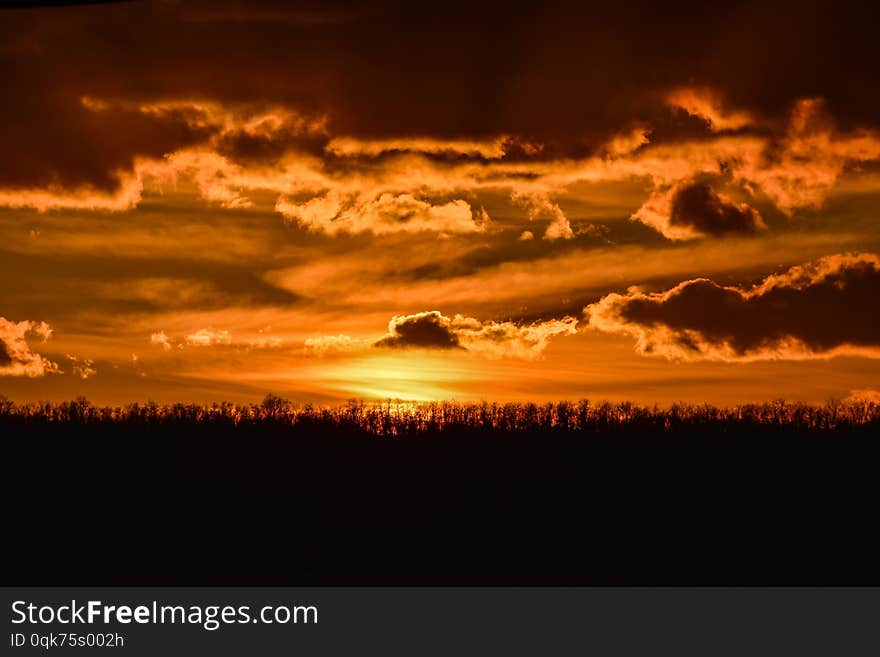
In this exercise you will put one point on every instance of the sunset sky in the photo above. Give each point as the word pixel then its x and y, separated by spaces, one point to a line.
pixel 205 201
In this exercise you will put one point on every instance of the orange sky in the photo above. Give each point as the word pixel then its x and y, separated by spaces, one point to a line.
pixel 178 227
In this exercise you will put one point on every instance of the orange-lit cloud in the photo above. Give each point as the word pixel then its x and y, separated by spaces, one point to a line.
pixel 796 170
pixel 540 206
pixel 53 197
pixel 16 357
pixel 816 310
pixel 208 338
pixel 349 146
pixel 433 330
pixel 159 338
pixel 82 367
pixel 265 342
pixel 387 213
pixel 706 103
pixel 803 166
pixel 321 345
pixel 692 209
pixel 625 143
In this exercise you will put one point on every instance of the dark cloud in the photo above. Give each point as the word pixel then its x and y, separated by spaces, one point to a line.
pixel 51 142
pixel 813 310
pixel 696 205
pixel 5 356
pixel 34 4
pixel 383 67
pixel 427 330
pixel 243 147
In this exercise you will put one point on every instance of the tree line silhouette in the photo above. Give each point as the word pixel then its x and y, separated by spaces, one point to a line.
pixel 396 417
pixel 440 493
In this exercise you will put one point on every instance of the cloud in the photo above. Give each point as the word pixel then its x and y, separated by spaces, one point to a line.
pixel 706 103
pixel 494 148
pixel 698 206
pixel 863 396
pixel 510 340
pixel 427 330
pixel 539 206
pixel 83 367
pixel 334 213
pixel 816 310
pixel 53 197
pixel 209 338
pixel 321 345
pixel 134 144
pixel 161 339
pixel 692 209
pixel 84 154
pixel 16 357
pixel 625 143
pixel 800 168
pixel 794 169
pixel 265 342
pixel 433 330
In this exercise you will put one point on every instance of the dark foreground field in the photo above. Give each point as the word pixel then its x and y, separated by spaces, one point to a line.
pixel 441 494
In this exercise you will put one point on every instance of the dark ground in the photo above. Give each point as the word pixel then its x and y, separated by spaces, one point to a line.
pixel 184 501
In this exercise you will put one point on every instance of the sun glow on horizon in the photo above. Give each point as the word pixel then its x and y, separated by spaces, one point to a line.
pixel 412 376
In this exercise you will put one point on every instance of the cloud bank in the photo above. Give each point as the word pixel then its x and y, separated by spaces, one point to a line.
pixel 816 310
pixel 342 185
